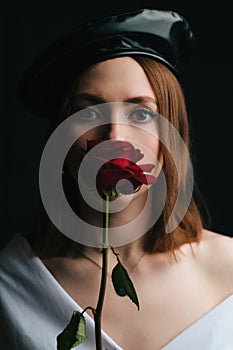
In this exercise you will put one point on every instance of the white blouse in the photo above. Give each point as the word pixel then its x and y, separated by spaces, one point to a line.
pixel 35 309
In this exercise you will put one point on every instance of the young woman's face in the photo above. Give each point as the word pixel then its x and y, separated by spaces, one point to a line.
pixel 118 80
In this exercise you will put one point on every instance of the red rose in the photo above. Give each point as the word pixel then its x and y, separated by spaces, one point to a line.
pixel 120 159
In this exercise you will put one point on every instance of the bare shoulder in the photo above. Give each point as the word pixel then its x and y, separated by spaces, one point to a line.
pixel 216 254
pixel 217 244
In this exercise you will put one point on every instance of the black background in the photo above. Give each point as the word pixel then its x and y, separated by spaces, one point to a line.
pixel 27 27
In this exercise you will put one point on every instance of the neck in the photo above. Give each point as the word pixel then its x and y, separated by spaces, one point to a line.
pixel 125 226
pixel 130 255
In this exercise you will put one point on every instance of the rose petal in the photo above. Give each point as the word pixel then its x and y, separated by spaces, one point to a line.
pixel 107 178
pixel 121 166
pixel 120 162
pixel 147 167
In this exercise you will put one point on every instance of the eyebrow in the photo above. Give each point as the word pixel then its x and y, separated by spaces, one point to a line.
pixel 95 99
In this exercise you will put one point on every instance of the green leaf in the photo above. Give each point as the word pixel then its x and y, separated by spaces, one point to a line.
pixel 74 333
pixel 122 283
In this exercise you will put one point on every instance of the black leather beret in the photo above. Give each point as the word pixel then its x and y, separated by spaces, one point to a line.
pixel 160 34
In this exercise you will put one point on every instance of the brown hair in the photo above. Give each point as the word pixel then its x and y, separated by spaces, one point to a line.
pixel 171 105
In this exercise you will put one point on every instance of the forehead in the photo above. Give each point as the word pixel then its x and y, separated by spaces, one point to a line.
pixel 115 79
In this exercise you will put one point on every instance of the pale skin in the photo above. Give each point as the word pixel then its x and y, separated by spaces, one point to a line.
pixel 172 295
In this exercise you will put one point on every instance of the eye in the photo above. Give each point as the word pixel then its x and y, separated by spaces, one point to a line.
pixel 87 114
pixel 142 115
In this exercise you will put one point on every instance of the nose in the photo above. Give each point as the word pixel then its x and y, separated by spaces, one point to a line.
pixel 116 127
pixel 115 131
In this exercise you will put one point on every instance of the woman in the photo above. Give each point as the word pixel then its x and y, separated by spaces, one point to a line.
pixel 130 63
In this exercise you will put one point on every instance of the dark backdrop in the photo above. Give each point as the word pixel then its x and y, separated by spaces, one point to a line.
pixel 27 27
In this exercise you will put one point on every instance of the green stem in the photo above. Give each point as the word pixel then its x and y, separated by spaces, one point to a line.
pixel 104 275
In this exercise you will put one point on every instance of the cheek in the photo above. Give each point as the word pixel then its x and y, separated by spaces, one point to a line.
pixel 152 153
pixel 73 159
pixel 94 133
pixel 149 143
pixel 81 142
pixel 153 145
pixel 75 154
